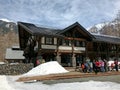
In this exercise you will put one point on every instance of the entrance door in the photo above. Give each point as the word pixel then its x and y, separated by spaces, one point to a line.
pixel 79 59
pixel 66 60
pixel 48 57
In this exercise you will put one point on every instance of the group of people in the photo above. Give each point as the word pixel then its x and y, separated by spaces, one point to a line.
pixel 98 66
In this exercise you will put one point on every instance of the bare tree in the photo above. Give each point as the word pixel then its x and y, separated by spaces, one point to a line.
pixel 118 23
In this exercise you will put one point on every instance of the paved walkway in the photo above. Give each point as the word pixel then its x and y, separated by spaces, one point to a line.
pixel 69 75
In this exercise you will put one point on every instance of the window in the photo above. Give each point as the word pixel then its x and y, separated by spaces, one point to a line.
pixel 66 42
pixel 79 43
pixel 83 44
pixel 113 47
pixel 49 40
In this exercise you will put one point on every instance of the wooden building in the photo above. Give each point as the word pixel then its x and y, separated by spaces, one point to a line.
pixel 68 46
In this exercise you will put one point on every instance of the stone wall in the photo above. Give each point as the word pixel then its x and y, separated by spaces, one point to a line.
pixel 15 69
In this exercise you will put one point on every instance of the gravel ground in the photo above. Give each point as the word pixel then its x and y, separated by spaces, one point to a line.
pixel 113 78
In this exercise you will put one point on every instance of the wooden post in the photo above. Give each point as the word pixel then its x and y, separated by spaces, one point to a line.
pixel 58 55
pixel 73 54
pixel 73 60
pixel 117 51
pixel 86 49
pixel 58 58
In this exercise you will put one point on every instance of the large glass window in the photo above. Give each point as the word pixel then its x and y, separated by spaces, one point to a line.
pixel 49 40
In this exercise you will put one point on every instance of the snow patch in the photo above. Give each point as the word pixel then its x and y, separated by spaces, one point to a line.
pixel 100 26
pixel 4 84
pixel 89 85
pixel 52 67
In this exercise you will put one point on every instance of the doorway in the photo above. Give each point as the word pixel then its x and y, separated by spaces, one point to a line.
pixel 66 60
pixel 79 59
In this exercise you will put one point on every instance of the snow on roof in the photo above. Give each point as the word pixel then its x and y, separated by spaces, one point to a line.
pixel 16 46
pixel 52 67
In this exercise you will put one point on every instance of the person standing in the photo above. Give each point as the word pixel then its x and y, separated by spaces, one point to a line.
pixel 83 67
pixel 102 66
pixel 116 64
pixel 105 65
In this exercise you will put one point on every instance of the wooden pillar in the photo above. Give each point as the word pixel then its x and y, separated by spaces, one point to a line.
pixel 58 55
pixel 107 53
pixel 86 49
pixel 58 58
pixel 110 49
pixel 73 53
pixel 73 60
pixel 38 39
pixel 98 49
pixel 117 51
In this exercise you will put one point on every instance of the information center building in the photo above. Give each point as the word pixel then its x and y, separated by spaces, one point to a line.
pixel 68 46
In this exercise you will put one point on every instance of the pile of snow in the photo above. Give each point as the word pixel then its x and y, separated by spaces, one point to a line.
pixel 52 67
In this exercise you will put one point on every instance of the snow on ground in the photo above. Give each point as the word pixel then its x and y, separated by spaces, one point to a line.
pixel 8 83
pixel 51 67
pixel 4 84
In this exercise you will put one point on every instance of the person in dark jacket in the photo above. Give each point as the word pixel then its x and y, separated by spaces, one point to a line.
pixel 116 64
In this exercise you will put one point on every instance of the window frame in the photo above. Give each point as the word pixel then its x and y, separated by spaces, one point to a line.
pixel 79 43
pixel 49 40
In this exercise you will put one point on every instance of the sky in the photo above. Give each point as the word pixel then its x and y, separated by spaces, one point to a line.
pixel 59 13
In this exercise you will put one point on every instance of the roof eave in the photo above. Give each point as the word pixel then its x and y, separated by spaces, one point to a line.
pixel 26 28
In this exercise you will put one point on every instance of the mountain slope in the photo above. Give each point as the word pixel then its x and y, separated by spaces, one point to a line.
pixel 6 26
pixel 109 28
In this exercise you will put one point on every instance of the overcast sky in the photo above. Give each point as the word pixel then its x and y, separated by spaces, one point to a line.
pixel 59 13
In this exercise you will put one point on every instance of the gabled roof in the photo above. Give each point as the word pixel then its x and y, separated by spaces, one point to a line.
pixel 107 39
pixel 74 25
pixel 34 30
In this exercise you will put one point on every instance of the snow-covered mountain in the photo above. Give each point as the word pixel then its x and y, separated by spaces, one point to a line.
pixel 107 28
pixel 5 20
pixel 96 28
pixel 7 25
